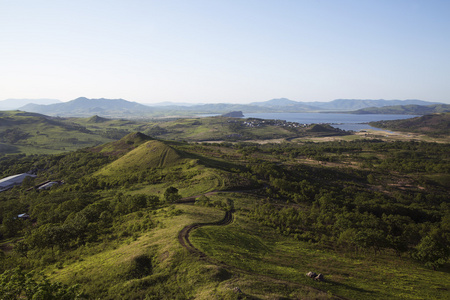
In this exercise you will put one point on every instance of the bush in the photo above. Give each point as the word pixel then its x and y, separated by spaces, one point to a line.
pixel 141 266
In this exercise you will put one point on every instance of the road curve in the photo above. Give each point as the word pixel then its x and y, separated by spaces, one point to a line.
pixel 183 238
pixel 183 235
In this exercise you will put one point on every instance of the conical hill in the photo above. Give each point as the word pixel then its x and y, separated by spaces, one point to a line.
pixel 152 154
pixel 124 145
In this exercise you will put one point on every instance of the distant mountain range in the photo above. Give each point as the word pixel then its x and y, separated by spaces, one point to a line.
pixel 338 104
pixel 120 108
pixel 354 104
pixel 82 107
pixel 12 104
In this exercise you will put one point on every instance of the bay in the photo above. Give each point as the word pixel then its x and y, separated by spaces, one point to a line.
pixel 353 122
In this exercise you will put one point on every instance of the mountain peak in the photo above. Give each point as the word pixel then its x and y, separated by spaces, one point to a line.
pixel 97 119
pixel 124 145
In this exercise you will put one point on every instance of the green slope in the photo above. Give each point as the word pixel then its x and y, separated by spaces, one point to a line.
pixel 152 154
pixel 406 109
pixel 32 133
pixel 124 145
pixel 433 124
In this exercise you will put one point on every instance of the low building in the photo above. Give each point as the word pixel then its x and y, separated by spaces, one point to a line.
pixel 11 181
pixel 48 185
pixel 23 216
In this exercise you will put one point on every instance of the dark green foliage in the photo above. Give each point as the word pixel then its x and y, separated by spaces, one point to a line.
pixel 338 208
pixel 171 195
pixel 434 248
pixel 141 266
pixel 16 284
pixel 13 135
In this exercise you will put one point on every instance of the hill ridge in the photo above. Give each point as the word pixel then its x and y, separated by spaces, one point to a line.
pixel 149 155
pixel 119 108
pixel 124 145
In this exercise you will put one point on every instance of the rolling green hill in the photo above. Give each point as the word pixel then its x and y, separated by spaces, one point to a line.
pixel 140 159
pixel 433 124
pixel 406 109
pixel 122 146
pixel 233 129
pixel 35 133
pixel 151 154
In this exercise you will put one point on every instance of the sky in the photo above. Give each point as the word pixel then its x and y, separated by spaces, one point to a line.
pixel 233 51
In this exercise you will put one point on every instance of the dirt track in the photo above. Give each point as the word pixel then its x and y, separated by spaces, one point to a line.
pixel 183 238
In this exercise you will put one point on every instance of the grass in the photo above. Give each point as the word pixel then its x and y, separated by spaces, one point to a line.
pixel 104 271
pixel 41 135
pixel 274 265
pixel 264 251
pixel 37 134
pixel 152 154
pixel 442 179
pixel 104 274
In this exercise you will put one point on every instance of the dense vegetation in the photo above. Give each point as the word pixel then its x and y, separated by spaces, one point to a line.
pixel 111 227
pixel 436 125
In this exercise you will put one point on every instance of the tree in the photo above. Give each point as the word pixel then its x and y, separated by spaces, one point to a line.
pixel 21 248
pixel 434 249
pixel 15 284
pixel 11 226
pixel 171 195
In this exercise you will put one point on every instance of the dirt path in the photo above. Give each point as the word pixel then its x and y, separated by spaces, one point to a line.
pixel 183 238
pixel 191 199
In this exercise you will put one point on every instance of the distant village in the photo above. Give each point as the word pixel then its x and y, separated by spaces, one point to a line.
pixel 253 122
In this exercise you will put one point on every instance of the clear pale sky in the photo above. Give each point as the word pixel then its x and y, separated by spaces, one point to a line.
pixel 235 51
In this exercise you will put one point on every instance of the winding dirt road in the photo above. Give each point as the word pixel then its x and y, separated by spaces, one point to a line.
pixel 183 238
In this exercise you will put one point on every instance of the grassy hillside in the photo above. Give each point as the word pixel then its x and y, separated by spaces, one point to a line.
pixel 31 133
pixel 406 109
pixel 150 155
pixel 124 145
pixel 154 165
pixel 433 125
pixel 233 129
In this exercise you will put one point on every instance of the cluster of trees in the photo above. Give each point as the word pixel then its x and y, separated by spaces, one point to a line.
pixel 17 284
pixel 64 219
pixel 13 135
pixel 357 209
pixel 71 215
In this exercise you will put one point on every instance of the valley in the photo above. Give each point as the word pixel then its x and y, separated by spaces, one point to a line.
pixel 224 208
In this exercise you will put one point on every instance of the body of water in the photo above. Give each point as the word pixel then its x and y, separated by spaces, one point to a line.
pixel 343 121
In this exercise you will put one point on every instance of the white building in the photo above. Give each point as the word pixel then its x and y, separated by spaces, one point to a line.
pixel 11 181
pixel 48 185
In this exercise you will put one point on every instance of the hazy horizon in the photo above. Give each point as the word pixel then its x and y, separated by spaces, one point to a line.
pixel 225 51
pixel 201 103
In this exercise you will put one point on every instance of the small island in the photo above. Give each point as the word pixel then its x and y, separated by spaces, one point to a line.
pixel 234 114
